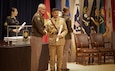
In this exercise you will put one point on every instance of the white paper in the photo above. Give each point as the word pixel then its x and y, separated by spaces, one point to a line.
pixel 22 26
pixel 59 32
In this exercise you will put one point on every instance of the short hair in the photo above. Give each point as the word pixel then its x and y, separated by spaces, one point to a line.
pixel 41 5
pixel 12 9
pixel 65 9
pixel 55 9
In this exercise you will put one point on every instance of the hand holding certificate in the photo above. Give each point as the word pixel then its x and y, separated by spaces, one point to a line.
pixel 22 26
pixel 59 32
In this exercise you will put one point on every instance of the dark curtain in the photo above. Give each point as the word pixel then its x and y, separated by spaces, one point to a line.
pixel 26 9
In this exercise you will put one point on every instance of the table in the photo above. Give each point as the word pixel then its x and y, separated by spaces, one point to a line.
pixel 18 58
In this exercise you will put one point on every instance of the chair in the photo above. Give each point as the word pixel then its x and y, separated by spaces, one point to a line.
pixel 84 50
pixel 98 41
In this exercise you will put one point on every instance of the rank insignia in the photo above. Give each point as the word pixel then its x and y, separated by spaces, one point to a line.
pixel 5 24
pixel 38 18
pixel 25 35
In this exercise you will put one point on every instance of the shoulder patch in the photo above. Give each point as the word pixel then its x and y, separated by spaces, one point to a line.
pixel 38 18
pixel 8 16
pixel 5 24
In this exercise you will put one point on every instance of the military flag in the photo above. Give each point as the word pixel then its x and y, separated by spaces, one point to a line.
pixel 94 17
pixel 102 27
pixel 46 16
pixel 75 15
pixel 86 18
pixel 67 5
pixel 77 25
pixel 113 14
pixel 109 18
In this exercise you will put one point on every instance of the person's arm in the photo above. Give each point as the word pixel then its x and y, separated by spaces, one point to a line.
pixel 70 30
pixel 64 30
pixel 8 20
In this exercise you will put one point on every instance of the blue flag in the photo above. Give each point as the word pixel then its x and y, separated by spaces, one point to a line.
pixel 77 26
pixel 67 5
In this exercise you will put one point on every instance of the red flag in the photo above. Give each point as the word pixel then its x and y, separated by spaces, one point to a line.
pixel 46 17
pixel 113 13
pixel 47 14
pixel 109 27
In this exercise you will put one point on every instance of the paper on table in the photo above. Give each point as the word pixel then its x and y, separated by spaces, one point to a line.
pixel 59 32
pixel 22 26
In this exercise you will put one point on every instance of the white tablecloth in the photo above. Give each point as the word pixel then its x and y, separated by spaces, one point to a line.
pixel 17 40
